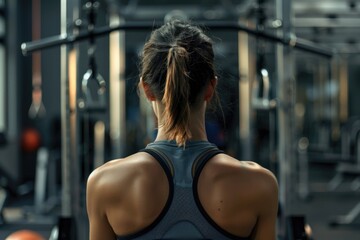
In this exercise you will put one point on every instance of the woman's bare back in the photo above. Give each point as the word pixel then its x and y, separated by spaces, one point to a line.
pixel 240 197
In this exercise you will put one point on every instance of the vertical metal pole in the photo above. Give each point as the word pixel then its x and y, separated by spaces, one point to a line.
pixel 303 185
pixel 2 91
pixel 99 143
pixel 64 105
pixel 117 88
pixel 344 91
pixel 322 108
pixel 285 112
pixel 12 73
pixel 70 162
pixel 335 81
pixel 321 81
pixel 244 95
pixel 3 66
pixel 74 139
pixel 10 98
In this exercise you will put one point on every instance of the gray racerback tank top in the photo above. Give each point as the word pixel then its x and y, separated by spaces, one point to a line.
pixel 183 216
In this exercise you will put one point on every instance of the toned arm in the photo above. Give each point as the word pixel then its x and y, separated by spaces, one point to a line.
pixel 99 225
pixel 266 223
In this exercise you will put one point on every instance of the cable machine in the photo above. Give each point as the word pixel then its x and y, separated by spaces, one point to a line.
pixel 68 227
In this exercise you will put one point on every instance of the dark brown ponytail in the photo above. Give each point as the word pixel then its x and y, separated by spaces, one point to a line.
pixel 176 94
pixel 177 63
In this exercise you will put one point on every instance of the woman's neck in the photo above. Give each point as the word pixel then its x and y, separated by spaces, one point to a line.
pixel 196 126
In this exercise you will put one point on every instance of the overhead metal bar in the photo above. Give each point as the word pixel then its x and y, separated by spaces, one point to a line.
pixel 287 40
pixel 306 7
pixel 326 35
pixel 311 22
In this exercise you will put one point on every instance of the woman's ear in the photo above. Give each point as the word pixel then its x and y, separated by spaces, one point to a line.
pixel 147 90
pixel 210 89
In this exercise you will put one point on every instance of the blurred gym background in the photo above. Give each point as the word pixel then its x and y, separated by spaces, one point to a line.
pixel 297 99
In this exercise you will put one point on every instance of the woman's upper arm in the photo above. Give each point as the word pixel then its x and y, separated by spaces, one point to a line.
pixel 100 228
pixel 266 224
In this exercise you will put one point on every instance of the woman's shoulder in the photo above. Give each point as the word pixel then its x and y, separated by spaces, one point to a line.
pixel 235 193
pixel 130 192
pixel 123 173
pixel 247 174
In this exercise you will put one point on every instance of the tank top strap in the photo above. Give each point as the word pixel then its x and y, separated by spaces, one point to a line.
pixel 161 158
pixel 202 159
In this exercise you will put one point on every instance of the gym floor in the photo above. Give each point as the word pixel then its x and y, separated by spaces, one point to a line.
pixel 320 208
pixel 324 206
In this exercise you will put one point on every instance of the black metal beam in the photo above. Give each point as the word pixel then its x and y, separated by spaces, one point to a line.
pixel 148 26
